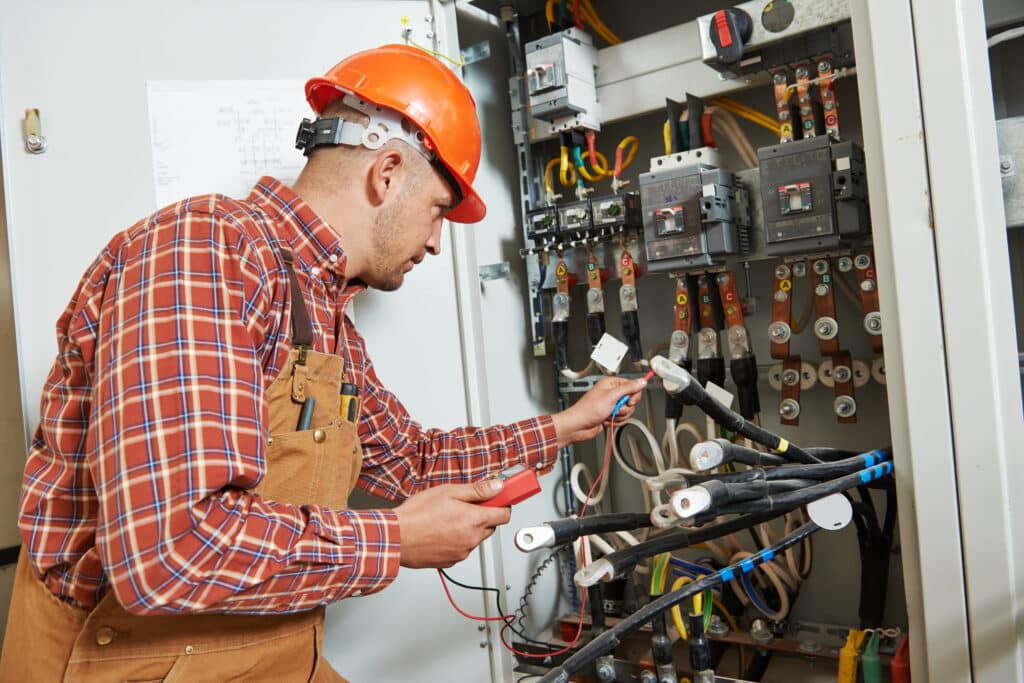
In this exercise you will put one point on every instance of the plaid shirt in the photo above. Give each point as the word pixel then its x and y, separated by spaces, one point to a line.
pixel 153 423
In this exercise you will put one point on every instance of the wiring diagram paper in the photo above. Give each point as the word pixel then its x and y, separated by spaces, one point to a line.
pixel 221 136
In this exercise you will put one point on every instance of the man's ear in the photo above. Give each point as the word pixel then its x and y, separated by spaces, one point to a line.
pixel 383 175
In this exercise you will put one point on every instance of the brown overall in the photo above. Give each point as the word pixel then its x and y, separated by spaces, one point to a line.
pixel 51 640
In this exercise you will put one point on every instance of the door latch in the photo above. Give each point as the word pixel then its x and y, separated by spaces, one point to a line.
pixel 35 143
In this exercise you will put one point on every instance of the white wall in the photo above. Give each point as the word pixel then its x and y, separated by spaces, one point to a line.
pixel 85 66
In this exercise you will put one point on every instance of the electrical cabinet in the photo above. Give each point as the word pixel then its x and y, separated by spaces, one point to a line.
pixel 864 200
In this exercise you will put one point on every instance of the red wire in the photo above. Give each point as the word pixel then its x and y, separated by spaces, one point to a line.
pixel 508 618
pixel 577 19
pixel 618 161
pixel 444 584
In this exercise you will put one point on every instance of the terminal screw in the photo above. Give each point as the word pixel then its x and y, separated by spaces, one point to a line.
pixel 845 406
pixel 790 377
pixel 789 409
pixel 845 264
pixel 862 261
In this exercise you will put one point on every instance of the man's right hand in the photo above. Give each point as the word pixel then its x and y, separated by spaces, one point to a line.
pixel 442 525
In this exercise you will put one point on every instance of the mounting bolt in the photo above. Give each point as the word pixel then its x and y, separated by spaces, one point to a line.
pixel 784 115
pixel 809 646
pixel 789 409
pixel 844 264
pixel 779 332
pixel 1005 165
pixel 829 105
pixel 606 672
pixel 801 72
pixel 781 296
pixel 873 323
pixel 648 677
pixel 862 261
pixel 805 111
pixel 782 271
pixel 844 406
pixel 821 266
pixel 821 290
pixel 759 631
pixel 824 66
pixel 842 374
pixel 722 279
pixel 779 78
pixel 790 377
pixel 800 269
pixel 868 285
pixel 826 328
pixel 717 627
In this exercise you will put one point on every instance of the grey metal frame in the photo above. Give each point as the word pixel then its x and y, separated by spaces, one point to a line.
pixel 919 413
pixel 979 330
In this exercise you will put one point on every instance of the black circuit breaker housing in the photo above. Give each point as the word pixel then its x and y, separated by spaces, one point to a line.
pixel 542 224
pixel 814 195
pixel 575 220
pixel 617 210
pixel 693 213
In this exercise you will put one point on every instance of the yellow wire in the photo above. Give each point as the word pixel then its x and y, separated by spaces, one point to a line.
pixel 601 172
pixel 549 183
pixel 595 21
pixel 666 134
pixel 755 117
pixel 549 12
pixel 677 615
pixel 456 62
pixel 743 112
pixel 565 168
pixel 626 141
pixel 739 106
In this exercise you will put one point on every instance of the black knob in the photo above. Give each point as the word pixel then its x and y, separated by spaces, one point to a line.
pixel 730 29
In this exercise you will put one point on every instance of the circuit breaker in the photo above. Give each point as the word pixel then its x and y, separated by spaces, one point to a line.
pixel 813 194
pixel 560 80
pixel 693 211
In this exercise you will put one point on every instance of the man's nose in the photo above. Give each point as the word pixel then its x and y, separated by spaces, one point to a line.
pixel 434 243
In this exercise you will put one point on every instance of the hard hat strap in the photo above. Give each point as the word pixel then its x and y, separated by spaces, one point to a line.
pixel 384 125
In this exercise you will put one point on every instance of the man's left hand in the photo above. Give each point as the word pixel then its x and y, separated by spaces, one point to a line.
pixel 587 417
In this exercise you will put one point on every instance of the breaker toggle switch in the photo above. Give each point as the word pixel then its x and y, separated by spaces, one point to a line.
pixel 670 220
pixel 729 30
pixel 795 198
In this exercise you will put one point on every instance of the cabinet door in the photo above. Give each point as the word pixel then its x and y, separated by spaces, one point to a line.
pixel 86 67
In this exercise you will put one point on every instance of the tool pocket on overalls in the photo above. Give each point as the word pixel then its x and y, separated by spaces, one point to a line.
pixel 312 466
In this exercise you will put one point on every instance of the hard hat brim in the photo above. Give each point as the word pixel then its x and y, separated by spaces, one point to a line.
pixel 470 210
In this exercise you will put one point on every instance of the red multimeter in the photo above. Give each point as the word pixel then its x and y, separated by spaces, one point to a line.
pixel 520 483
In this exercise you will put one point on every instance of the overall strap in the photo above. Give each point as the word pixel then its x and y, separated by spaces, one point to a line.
pixel 302 329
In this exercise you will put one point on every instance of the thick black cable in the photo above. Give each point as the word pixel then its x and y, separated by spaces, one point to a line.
pixel 807 495
pixel 610 639
pixel 693 393
pixel 571 528
pixel 822 472
pixel 625 560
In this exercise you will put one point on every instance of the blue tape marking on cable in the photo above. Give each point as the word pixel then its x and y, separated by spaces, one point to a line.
pixel 727 574
pixel 869 459
pixel 865 476
pixel 767 554
pixel 747 565
pixel 888 468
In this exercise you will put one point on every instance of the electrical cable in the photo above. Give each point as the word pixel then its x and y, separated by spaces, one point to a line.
pixel 1011 34
pixel 747 113
pixel 608 640
pixel 680 382
pixel 622 562
pixel 807 495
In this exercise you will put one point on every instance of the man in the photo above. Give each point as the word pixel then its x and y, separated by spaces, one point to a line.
pixel 183 507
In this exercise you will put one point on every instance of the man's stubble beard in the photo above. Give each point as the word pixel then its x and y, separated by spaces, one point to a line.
pixel 388 274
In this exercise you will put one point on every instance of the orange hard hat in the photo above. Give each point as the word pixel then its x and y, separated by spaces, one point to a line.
pixel 428 94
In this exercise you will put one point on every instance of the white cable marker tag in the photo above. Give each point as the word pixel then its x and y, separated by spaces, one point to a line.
pixel 719 394
pixel 609 353
pixel 831 512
